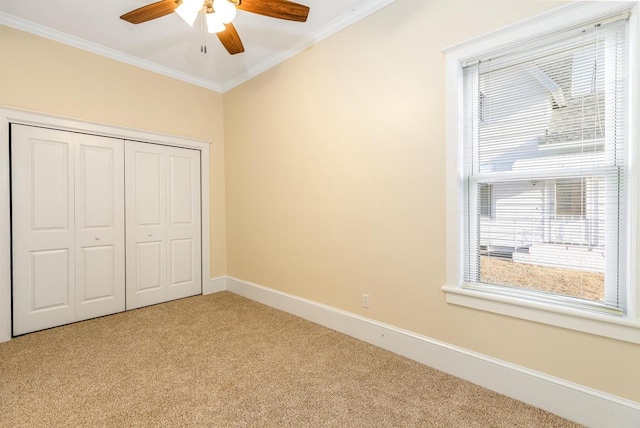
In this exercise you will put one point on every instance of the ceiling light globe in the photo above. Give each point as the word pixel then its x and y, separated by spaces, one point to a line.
pixel 188 10
pixel 225 9
pixel 214 23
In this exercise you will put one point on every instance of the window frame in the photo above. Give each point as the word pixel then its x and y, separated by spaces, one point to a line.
pixel 625 328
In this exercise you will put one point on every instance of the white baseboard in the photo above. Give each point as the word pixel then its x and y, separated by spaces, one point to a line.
pixel 575 402
pixel 215 285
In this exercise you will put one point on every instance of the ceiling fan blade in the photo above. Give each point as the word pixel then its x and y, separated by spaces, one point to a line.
pixel 150 11
pixel 231 40
pixel 281 9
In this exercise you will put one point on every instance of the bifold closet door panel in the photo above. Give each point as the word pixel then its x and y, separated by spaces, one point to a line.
pixel 68 227
pixel 183 231
pixel 145 181
pixel 99 226
pixel 42 214
pixel 162 223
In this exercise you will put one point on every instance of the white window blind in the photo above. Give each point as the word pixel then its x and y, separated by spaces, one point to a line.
pixel 544 128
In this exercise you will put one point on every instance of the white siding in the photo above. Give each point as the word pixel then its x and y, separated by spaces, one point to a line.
pixel 524 213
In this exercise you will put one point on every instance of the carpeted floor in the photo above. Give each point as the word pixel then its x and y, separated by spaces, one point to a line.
pixel 222 360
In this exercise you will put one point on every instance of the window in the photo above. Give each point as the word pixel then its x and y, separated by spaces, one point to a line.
pixel 485 200
pixel 540 118
pixel 571 197
pixel 552 111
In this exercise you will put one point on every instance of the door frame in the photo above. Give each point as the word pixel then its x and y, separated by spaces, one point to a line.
pixel 24 117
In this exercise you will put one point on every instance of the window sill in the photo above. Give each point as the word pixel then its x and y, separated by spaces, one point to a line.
pixel 573 319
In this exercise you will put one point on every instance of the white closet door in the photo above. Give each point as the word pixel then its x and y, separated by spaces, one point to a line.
pixel 68 227
pixel 43 228
pixel 99 226
pixel 145 179
pixel 183 228
pixel 162 222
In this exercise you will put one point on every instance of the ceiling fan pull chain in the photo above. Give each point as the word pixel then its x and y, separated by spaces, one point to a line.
pixel 203 35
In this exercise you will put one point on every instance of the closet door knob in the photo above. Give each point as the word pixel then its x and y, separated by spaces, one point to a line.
pixel 149 234
pixel 97 238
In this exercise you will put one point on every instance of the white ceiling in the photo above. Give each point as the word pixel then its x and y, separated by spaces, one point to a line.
pixel 169 46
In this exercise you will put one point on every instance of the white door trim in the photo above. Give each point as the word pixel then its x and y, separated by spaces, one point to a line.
pixel 10 115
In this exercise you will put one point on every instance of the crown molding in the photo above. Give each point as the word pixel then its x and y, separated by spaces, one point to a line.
pixel 67 39
pixel 341 22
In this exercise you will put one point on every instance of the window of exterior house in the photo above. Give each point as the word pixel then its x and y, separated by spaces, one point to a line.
pixel 571 197
pixel 541 170
pixel 485 198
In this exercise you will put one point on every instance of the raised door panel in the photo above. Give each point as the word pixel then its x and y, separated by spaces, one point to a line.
pixel 50 280
pixel 181 255
pixel 100 252
pixel 149 188
pixel 97 176
pixel 181 194
pixel 183 231
pixel 149 266
pixel 50 171
pixel 97 273
pixel 42 180
pixel 145 181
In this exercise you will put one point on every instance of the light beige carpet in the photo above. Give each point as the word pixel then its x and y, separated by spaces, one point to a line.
pixel 222 360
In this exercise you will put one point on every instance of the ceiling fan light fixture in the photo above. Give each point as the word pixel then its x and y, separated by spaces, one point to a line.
pixel 189 10
pixel 225 9
pixel 220 23
pixel 214 23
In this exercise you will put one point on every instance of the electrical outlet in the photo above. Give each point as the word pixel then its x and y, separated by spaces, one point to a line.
pixel 365 300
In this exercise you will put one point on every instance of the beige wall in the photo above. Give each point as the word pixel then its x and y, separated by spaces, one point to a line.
pixel 335 187
pixel 44 76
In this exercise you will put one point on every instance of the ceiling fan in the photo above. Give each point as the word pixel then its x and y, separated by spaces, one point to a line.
pixel 218 15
